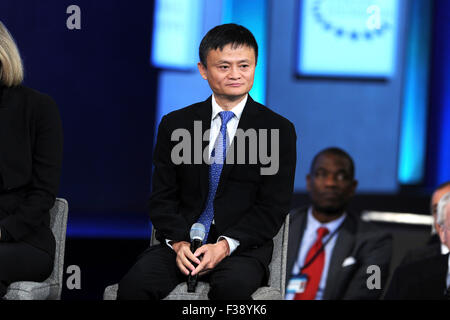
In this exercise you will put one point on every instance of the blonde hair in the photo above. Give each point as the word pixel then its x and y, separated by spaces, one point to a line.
pixel 11 67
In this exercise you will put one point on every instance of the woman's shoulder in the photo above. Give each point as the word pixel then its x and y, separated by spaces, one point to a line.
pixel 25 97
pixel 27 93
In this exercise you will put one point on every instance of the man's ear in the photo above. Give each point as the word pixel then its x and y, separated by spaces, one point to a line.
pixel 354 186
pixel 308 182
pixel 202 70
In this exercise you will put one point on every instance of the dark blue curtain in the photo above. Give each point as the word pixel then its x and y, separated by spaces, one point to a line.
pixel 102 80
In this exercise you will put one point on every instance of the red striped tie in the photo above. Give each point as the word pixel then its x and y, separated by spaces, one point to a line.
pixel 314 270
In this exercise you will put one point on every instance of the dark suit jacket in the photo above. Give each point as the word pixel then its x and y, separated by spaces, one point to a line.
pixel 432 248
pixel 248 206
pixel 30 165
pixel 420 280
pixel 360 240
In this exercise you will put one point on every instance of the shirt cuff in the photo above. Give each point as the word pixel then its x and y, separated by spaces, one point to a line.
pixel 232 243
pixel 168 243
pixel 4 235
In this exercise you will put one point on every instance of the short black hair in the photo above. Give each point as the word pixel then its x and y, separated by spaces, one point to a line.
pixel 337 152
pixel 220 36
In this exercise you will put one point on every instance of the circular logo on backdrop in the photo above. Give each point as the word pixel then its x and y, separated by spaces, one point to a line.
pixel 354 19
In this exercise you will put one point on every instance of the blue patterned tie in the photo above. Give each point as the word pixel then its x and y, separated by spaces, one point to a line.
pixel 215 169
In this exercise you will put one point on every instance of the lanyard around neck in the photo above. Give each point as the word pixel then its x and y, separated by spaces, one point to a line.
pixel 307 264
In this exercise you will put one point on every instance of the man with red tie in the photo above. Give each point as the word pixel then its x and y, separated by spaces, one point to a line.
pixel 330 249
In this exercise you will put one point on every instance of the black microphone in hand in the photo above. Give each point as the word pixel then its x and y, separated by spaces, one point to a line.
pixel 197 235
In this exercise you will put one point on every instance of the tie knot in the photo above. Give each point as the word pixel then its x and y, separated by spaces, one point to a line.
pixel 322 232
pixel 226 116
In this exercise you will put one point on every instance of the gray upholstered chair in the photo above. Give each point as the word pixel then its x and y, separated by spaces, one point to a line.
pixel 274 291
pixel 51 288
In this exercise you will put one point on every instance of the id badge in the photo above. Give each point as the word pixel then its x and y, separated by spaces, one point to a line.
pixel 297 284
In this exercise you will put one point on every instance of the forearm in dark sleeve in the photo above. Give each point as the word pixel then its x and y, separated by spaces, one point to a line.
pixel 163 203
pixel 46 169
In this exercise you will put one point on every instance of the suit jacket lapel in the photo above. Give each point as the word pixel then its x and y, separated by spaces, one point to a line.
pixel 297 226
pixel 204 111
pixel 248 120
pixel 342 249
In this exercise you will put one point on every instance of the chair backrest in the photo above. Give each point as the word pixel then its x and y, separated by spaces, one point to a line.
pixel 58 224
pixel 153 240
pixel 278 263
pixel 277 266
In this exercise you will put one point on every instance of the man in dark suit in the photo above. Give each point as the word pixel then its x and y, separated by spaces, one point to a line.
pixel 242 202
pixel 429 277
pixel 332 253
pixel 434 246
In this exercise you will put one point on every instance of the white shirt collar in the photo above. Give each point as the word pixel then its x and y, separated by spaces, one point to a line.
pixel 237 110
pixel 444 249
pixel 331 226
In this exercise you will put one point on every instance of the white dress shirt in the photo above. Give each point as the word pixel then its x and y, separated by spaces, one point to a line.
pixel 216 123
pixel 444 249
pixel 308 239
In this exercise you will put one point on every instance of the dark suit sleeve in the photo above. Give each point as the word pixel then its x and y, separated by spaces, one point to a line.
pixel 164 200
pixel 377 251
pixel 260 224
pixel 46 168
pixel 395 290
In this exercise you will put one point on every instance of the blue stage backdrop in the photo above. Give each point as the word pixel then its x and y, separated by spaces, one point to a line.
pixel 110 97
pixel 105 87
pixel 438 147
pixel 362 117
